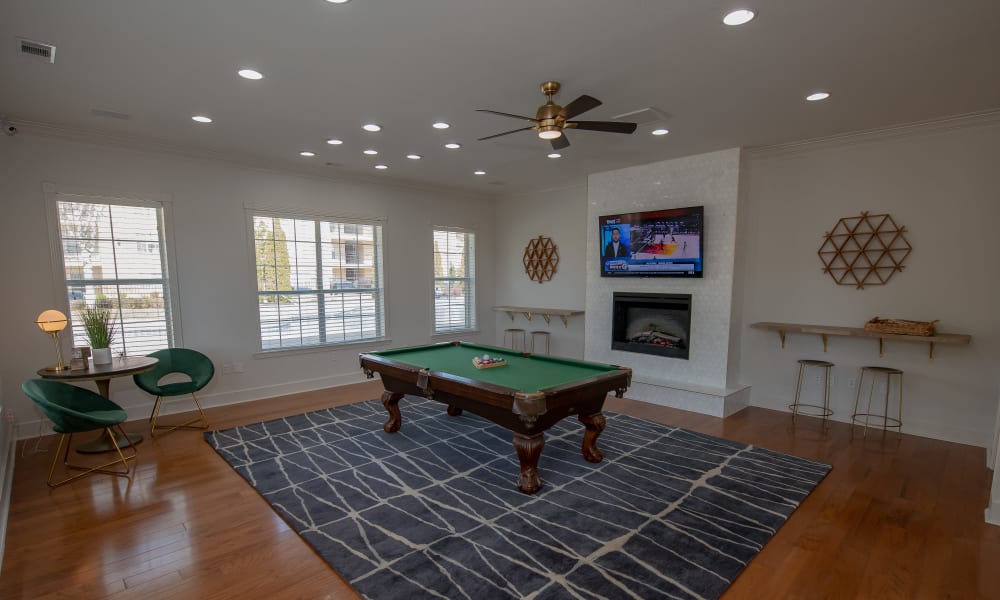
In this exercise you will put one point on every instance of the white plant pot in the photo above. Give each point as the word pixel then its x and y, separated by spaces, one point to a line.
pixel 102 356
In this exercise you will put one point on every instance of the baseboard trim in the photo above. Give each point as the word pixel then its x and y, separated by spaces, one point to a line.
pixel 141 409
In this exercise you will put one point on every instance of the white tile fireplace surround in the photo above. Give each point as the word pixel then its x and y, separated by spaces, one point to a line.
pixel 705 382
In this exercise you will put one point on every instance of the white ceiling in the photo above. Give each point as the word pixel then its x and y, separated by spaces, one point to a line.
pixel 406 63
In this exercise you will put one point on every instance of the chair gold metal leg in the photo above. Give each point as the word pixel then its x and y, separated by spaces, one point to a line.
pixel 199 422
pixel 153 416
pixel 122 459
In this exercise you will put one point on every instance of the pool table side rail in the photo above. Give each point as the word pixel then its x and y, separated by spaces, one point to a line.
pixel 406 378
pixel 397 368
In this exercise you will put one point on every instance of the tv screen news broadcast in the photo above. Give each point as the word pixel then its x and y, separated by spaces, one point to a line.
pixel 658 243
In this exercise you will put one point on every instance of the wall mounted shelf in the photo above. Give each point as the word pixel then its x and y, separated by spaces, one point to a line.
pixel 824 331
pixel 545 313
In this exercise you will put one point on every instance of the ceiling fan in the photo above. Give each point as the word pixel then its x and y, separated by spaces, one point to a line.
pixel 551 119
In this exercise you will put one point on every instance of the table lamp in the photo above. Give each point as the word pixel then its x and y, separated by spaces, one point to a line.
pixel 52 322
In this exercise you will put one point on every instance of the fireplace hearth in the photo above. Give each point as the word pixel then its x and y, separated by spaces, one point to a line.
pixel 658 324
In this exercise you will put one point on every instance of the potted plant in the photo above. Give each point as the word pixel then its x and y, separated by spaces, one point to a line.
pixel 101 329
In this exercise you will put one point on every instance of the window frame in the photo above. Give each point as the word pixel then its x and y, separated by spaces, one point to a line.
pixel 52 192
pixel 471 310
pixel 252 211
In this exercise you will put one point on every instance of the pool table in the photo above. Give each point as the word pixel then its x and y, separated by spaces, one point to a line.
pixel 527 395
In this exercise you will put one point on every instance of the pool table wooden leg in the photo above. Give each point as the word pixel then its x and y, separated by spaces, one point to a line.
pixel 594 426
pixel 390 400
pixel 529 448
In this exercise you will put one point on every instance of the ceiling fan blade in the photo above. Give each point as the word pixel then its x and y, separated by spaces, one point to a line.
pixel 608 126
pixel 503 114
pixel 579 106
pixel 560 142
pixel 489 137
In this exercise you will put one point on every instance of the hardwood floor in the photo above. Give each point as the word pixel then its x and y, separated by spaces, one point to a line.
pixel 900 518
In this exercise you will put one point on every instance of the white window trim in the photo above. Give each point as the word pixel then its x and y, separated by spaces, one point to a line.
pixel 250 211
pixel 52 191
pixel 475 286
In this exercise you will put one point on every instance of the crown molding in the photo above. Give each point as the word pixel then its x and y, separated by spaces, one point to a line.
pixel 977 119
pixel 246 161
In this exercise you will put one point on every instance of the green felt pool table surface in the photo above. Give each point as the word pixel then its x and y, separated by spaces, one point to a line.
pixel 529 374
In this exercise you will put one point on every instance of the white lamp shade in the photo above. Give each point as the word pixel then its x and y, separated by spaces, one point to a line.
pixel 51 321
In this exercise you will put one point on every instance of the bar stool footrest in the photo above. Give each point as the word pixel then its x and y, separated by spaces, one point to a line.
pixel 821 411
pixel 886 422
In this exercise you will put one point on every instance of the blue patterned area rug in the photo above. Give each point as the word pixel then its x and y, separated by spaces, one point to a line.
pixel 433 511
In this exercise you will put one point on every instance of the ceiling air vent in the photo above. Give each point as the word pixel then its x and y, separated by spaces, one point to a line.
pixel 46 52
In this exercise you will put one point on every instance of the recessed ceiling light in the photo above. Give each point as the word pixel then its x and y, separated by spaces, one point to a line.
pixel 334 142
pixel 371 152
pixel 440 125
pixel 817 96
pixel 338 1
pixel 479 172
pixel 554 155
pixel 250 74
pixel 373 127
pixel 381 167
pixel 414 156
pixel 307 153
pixel 202 119
pixel 739 17
pixel 453 145
pixel 660 131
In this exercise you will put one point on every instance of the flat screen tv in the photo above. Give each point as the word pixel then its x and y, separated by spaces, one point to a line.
pixel 656 243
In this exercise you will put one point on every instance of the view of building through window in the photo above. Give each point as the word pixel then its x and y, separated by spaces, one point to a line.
pixel 114 258
pixel 454 281
pixel 318 282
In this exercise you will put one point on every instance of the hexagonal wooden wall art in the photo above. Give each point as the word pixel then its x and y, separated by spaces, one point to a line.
pixel 540 259
pixel 864 250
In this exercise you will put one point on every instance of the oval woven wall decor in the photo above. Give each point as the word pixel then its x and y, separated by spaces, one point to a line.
pixel 540 259
pixel 864 250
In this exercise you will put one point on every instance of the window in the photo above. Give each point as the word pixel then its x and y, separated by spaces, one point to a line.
pixel 306 295
pixel 454 280
pixel 114 256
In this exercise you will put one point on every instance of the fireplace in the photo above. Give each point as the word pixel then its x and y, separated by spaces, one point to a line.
pixel 658 324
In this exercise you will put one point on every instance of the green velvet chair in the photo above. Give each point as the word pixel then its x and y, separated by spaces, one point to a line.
pixel 191 363
pixel 72 410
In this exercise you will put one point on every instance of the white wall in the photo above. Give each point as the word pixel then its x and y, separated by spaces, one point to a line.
pixel 559 214
pixel 942 183
pixel 710 180
pixel 213 267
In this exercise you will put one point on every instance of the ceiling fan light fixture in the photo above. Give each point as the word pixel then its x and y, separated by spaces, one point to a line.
pixel 549 132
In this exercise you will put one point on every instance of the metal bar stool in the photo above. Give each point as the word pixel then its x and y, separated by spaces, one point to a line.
pixel 514 336
pixel 887 421
pixel 815 410
pixel 545 335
